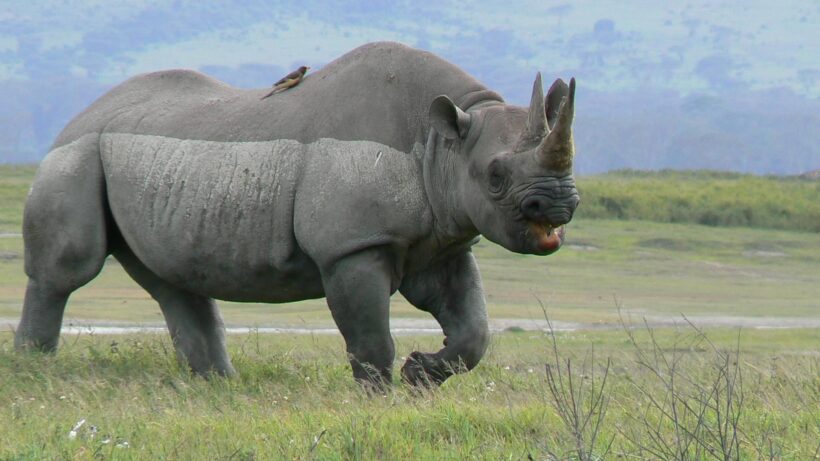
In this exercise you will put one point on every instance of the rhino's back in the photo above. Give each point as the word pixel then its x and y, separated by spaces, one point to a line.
pixel 379 92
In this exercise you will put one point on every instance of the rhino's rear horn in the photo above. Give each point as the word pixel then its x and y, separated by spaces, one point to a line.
pixel 536 128
pixel 557 149
pixel 557 92
pixel 563 123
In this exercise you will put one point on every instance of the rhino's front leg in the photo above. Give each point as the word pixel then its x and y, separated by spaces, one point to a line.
pixel 452 292
pixel 358 289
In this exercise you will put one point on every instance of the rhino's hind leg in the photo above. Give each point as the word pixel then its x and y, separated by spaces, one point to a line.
pixel 194 321
pixel 65 236
pixel 39 327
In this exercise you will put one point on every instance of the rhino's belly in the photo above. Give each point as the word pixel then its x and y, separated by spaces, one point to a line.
pixel 214 279
pixel 214 218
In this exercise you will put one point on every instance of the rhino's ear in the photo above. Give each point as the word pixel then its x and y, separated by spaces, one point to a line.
pixel 552 102
pixel 450 121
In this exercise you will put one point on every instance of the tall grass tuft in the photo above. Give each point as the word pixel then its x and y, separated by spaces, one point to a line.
pixel 580 401
pixel 686 407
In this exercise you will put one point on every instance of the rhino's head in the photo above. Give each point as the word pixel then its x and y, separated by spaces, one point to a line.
pixel 515 181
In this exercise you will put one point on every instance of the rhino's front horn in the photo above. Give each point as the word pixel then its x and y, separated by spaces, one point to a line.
pixel 536 128
pixel 557 149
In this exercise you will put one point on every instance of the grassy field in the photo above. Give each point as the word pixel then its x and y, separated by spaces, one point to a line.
pixel 295 399
pixel 703 197
pixel 14 183
pixel 723 393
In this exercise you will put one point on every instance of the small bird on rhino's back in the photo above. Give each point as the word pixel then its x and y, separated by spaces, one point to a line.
pixel 288 81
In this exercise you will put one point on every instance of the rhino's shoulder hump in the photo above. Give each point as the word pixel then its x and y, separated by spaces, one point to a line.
pixel 384 47
pixel 381 55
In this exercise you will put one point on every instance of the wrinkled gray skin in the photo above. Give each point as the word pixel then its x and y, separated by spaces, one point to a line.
pixel 375 174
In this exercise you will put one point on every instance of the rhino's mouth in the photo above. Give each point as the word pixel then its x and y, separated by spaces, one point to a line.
pixel 547 238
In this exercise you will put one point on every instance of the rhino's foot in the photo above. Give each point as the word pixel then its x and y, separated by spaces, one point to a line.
pixel 427 370
pixel 27 345
pixel 218 372
pixel 375 387
pixel 373 380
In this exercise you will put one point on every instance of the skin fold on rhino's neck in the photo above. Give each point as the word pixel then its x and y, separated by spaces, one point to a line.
pixel 442 182
pixel 444 172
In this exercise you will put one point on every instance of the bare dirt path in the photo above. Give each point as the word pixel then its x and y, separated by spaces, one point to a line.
pixel 405 326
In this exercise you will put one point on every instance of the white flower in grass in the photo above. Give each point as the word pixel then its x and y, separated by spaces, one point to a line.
pixel 529 370
pixel 72 434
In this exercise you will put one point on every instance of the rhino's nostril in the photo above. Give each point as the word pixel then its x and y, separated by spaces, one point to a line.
pixel 534 207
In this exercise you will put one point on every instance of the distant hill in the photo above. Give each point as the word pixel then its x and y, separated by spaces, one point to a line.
pixel 721 85
pixel 760 132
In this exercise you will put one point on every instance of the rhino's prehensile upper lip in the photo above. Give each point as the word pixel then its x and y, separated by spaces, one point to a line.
pixel 547 237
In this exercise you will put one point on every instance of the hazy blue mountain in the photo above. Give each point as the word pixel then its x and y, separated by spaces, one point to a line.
pixel 731 85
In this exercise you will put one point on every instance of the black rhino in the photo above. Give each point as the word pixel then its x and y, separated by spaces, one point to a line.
pixel 375 174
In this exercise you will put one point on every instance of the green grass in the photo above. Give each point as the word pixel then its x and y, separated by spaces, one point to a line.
pixel 14 184
pixel 703 197
pixel 291 389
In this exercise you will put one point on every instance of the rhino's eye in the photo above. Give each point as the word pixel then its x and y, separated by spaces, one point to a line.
pixel 496 177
